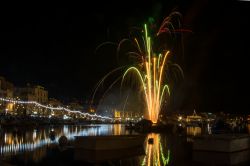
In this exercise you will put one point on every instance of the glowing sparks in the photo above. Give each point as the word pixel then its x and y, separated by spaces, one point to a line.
pixel 150 67
pixel 153 74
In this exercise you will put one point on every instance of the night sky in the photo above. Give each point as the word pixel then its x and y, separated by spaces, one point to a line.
pixel 54 45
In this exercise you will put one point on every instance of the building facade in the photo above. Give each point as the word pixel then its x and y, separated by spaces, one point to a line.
pixel 56 103
pixel 127 115
pixel 6 91
pixel 33 93
pixel 6 88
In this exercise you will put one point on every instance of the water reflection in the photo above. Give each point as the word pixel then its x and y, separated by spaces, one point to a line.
pixel 36 145
pixel 193 131
pixel 158 152
pixel 15 141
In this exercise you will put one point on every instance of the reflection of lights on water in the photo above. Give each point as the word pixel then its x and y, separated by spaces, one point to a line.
pixel 209 129
pixel 193 131
pixel 165 159
pixel 117 129
pixel 35 139
pixel 5 137
pixel 34 134
pixel 65 130
pixel 155 153
pixel 15 148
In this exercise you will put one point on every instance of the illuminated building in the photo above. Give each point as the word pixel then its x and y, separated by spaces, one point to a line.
pixel 56 103
pixel 6 91
pixel 6 88
pixel 75 106
pixel 117 114
pixel 194 118
pixel 33 93
pixel 127 115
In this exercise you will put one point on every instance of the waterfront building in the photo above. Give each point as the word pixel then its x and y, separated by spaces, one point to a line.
pixel 126 115
pixel 6 91
pixel 56 103
pixel 76 106
pixel 33 93
pixel 194 119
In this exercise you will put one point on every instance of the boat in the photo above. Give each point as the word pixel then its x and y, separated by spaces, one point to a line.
pixel 109 142
pixel 102 148
pixel 222 143
pixel 221 149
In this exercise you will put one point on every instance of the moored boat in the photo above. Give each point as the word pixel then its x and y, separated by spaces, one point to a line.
pixel 103 148
pixel 109 142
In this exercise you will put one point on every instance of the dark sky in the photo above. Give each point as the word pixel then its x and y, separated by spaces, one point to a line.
pixel 54 45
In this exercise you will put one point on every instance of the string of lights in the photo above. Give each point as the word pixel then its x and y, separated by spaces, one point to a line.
pixel 53 108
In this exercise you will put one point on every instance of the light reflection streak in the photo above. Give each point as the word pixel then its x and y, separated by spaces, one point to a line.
pixel 193 131
pixel 155 152
pixel 12 144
